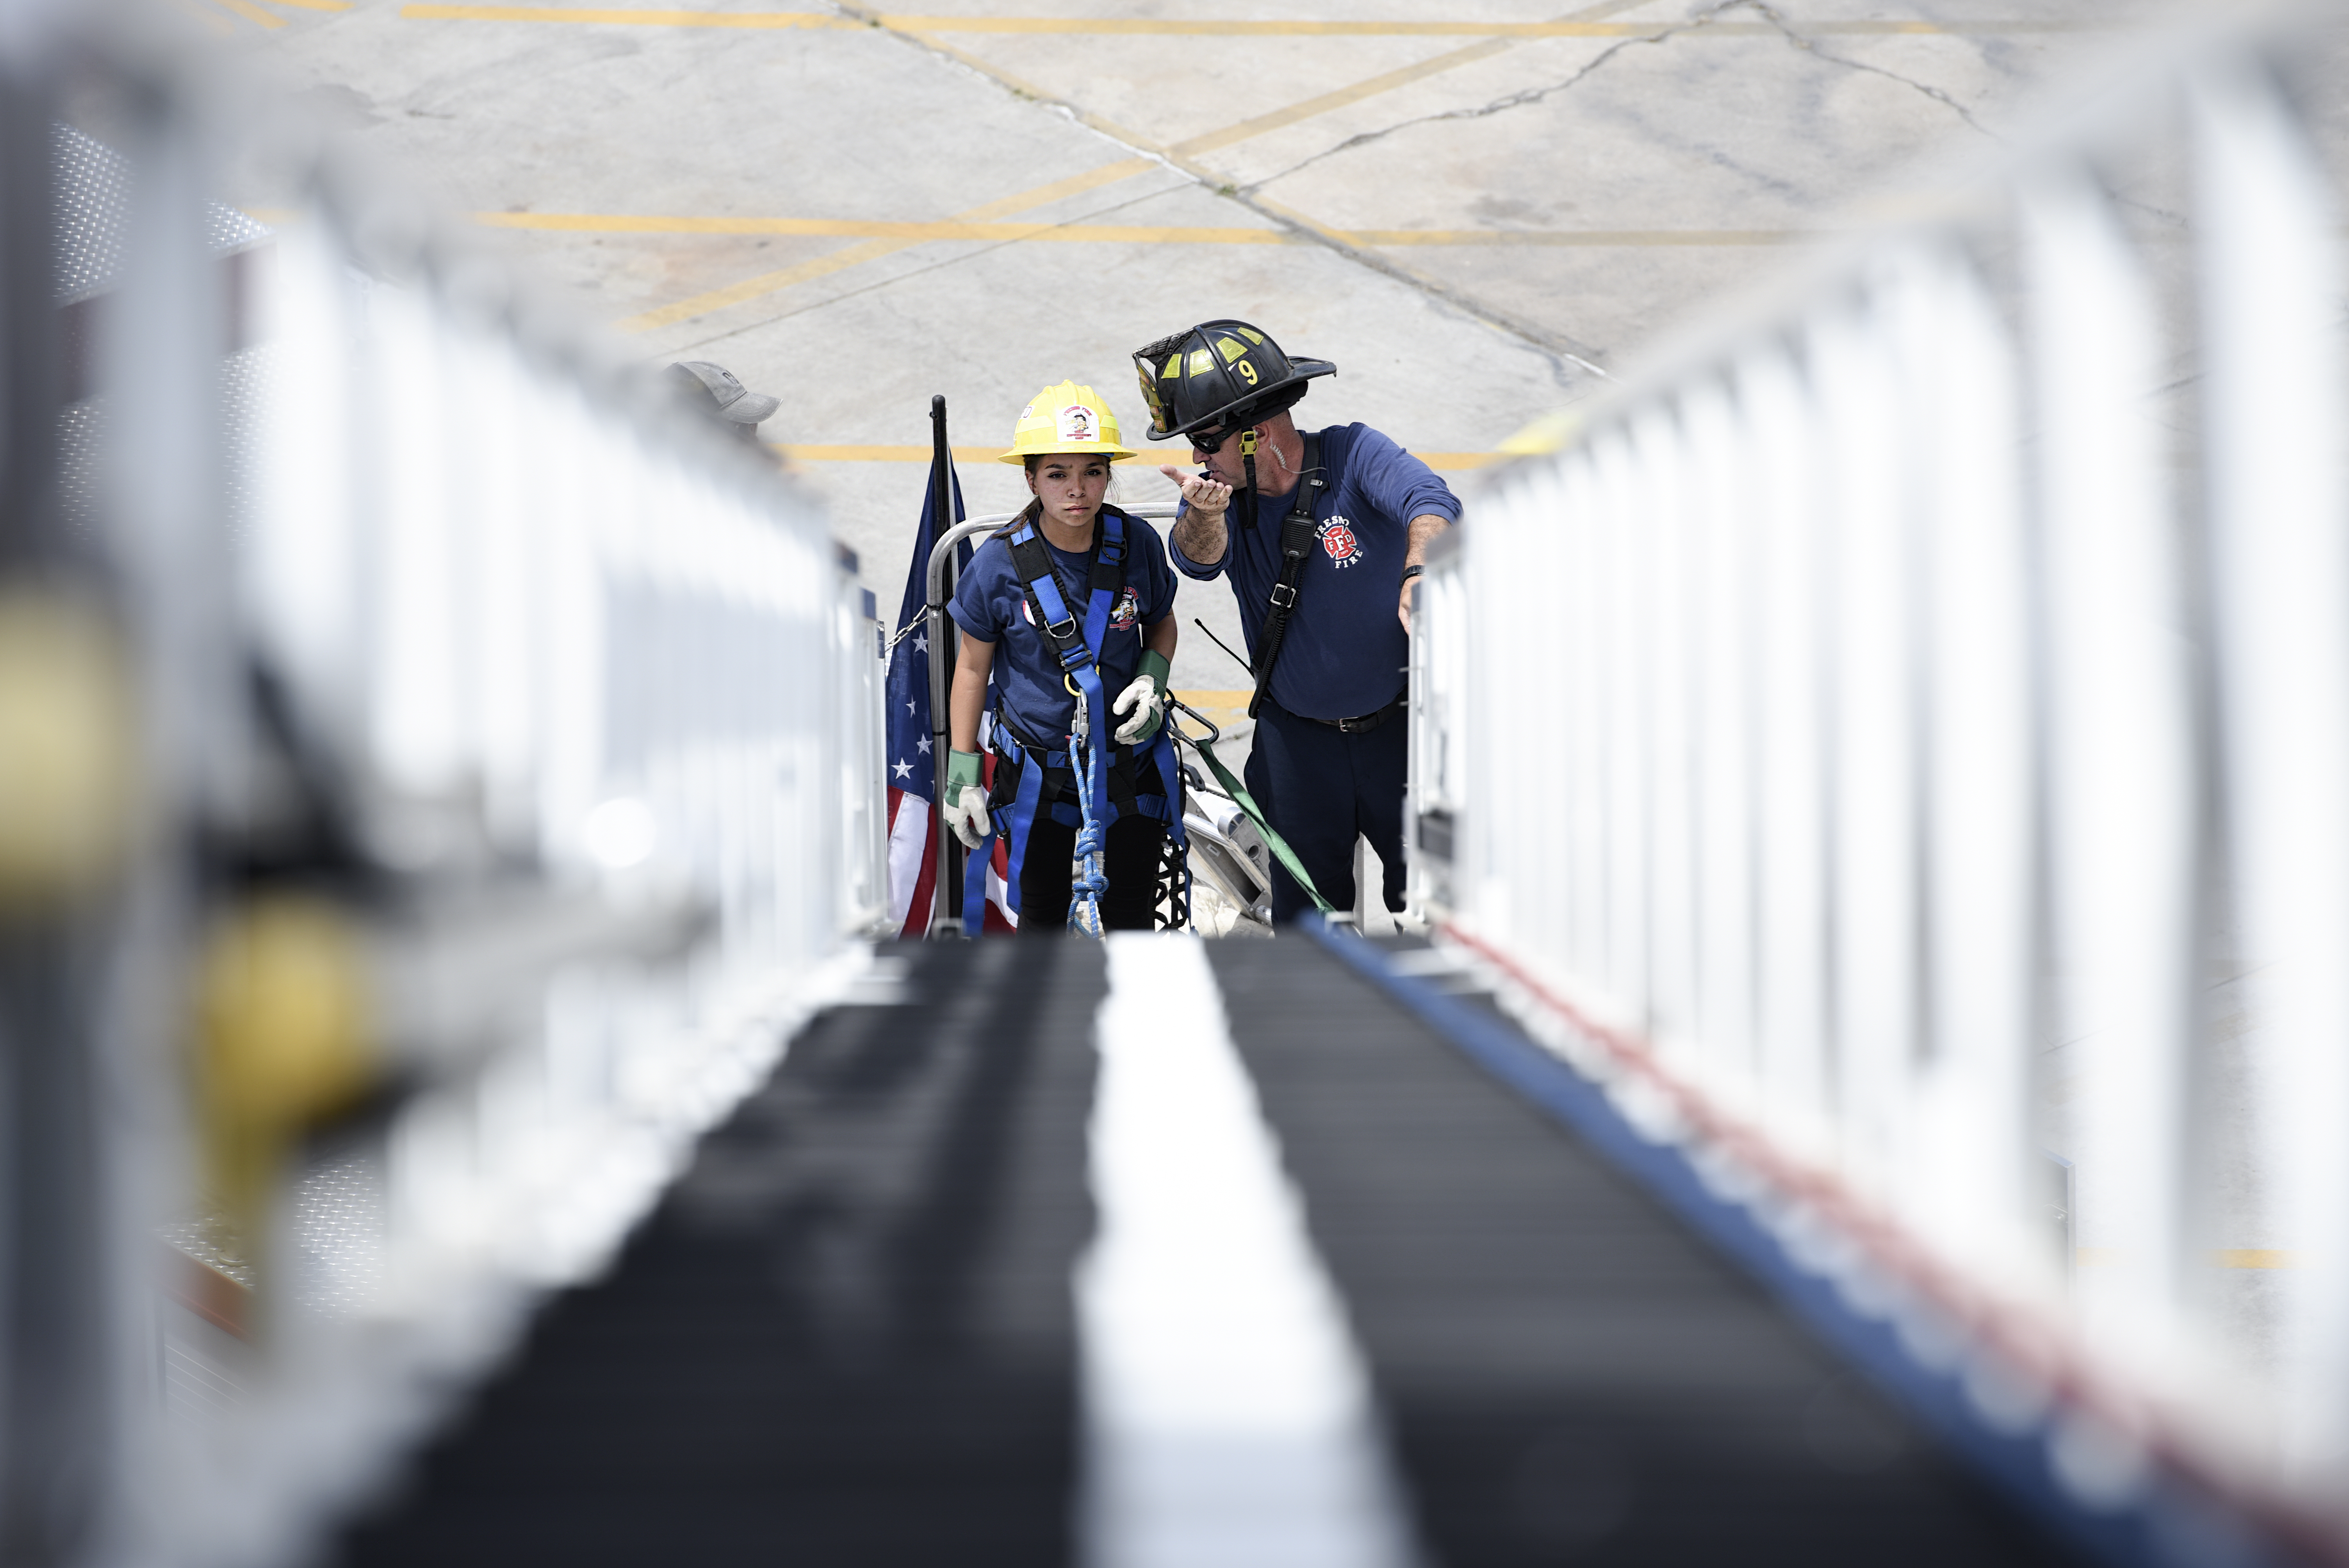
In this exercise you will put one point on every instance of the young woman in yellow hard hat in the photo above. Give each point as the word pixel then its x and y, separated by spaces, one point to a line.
pixel 1070 604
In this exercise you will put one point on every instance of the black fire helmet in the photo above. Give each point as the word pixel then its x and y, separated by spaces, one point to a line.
pixel 1219 376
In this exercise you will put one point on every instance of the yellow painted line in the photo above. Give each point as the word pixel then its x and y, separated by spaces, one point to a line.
pixel 871 250
pixel 1158 26
pixel 1626 237
pixel 1153 27
pixel 1372 87
pixel 251 13
pixel 771 283
pixel 605 16
pixel 915 233
pixel 1122 234
pixel 820 454
pixel 213 22
pixel 1445 461
pixel 1342 98
pixel 1225 704
pixel 2227 1258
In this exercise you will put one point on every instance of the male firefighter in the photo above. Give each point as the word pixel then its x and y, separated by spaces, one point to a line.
pixel 1320 533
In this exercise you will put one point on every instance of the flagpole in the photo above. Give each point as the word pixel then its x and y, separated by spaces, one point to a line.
pixel 946 898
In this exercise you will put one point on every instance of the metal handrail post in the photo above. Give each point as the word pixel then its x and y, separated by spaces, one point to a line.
pixel 942 912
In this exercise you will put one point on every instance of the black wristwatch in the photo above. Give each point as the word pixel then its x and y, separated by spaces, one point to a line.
pixel 1410 572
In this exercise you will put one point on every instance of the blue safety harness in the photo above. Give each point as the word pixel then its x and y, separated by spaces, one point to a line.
pixel 1102 798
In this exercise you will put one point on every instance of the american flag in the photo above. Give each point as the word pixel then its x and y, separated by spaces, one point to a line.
pixel 912 774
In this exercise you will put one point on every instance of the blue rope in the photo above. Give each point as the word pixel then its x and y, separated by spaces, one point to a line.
pixel 1089 875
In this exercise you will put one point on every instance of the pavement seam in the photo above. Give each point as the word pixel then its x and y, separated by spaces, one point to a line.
pixel 1559 351
pixel 1514 100
pixel 872 250
pixel 982 249
pixel 1811 46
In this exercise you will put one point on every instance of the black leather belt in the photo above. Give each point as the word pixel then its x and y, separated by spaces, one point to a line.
pixel 1366 722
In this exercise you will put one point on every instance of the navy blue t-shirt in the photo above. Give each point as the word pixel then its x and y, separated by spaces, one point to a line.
pixel 991 604
pixel 1346 648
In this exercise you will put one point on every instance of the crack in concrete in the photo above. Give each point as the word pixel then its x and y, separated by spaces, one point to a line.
pixel 1557 352
pixel 1535 95
pixel 1810 45
pixel 1514 100
pixel 891 281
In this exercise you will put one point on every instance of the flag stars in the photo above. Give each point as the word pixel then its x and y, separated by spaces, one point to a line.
pixel 921 642
pixel 922 743
pixel 903 769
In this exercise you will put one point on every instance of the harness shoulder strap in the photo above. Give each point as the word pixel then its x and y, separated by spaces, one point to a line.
pixel 1079 647
pixel 1076 643
pixel 1295 547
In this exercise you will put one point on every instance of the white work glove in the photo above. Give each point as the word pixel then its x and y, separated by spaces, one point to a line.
pixel 966 801
pixel 1145 698
pixel 966 815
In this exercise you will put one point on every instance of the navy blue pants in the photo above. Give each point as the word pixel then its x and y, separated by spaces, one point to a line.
pixel 1321 787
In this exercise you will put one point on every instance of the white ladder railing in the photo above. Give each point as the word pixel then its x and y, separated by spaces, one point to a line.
pixel 486 769
pixel 1915 719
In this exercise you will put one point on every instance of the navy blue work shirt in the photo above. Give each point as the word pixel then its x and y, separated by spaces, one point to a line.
pixel 991 604
pixel 1345 651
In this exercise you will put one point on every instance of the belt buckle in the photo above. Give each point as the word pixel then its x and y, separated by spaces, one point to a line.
pixel 1278 590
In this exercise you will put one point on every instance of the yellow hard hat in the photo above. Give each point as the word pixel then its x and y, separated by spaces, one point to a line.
pixel 1065 418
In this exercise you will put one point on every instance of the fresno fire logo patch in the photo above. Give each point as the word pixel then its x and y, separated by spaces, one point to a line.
pixel 1338 542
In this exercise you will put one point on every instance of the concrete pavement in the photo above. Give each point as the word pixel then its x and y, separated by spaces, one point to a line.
pixel 1476 211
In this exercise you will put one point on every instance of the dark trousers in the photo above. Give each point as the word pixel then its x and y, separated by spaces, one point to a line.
pixel 1319 787
pixel 1130 856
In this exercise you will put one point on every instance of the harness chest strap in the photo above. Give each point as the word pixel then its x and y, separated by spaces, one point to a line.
pixel 1077 647
pixel 1078 651
pixel 1295 547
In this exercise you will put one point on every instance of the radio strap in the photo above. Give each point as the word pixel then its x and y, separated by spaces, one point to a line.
pixel 1296 546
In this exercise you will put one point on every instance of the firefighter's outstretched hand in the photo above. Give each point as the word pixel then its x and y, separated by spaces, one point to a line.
pixel 1200 493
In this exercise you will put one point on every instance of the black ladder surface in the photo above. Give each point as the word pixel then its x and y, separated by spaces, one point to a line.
pixel 1567 1373
pixel 845 1338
